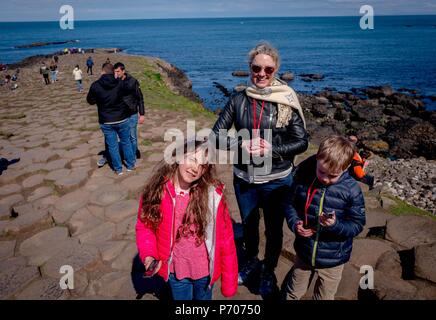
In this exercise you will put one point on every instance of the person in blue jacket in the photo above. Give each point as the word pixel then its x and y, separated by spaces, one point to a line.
pixel 325 209
pixel 89 64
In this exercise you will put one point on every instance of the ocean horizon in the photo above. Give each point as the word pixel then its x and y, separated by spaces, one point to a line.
pixel 400 51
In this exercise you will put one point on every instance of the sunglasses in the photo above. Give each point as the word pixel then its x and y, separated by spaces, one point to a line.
pixel 257 69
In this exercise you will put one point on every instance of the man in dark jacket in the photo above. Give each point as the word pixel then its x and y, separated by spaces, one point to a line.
pixel 325 209
pixel 134 103
pixel 107 92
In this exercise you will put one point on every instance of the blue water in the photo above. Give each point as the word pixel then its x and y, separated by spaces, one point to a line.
pixel 400 51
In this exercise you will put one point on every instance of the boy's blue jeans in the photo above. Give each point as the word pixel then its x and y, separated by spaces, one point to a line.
pixel 250 198
pixel 188 289
pixel 111 134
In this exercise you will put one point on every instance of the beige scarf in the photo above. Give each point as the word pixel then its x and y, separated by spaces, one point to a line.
pixel 285 97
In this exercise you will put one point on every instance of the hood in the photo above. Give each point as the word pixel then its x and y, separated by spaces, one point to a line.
pixel 108 81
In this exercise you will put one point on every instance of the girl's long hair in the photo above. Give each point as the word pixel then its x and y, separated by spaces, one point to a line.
pixel 197 213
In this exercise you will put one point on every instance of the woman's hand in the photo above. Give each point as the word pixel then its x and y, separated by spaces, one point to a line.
pixel 307 233
pixel 257 146
pixel 147 262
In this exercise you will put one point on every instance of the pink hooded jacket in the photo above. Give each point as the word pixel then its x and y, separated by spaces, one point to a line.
pixel 219 239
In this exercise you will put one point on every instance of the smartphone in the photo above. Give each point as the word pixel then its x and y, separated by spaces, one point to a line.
pixel 151 269
pixel 329 215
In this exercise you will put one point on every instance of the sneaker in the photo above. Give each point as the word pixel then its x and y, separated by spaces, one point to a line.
pixel 101 162
pixel 268 281
pixel 119 173
pixel 248 268
pixel 131 169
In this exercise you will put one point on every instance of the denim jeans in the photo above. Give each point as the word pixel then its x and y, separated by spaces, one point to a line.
pixel 188 289
pixel 250 198
pixel 111 134
pixel 133 122
pixel 79 85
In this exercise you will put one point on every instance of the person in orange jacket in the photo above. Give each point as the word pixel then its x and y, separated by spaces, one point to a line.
pixel 357 167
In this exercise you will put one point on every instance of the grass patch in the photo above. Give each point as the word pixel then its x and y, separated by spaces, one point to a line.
pixel 403 208
pixel 146 143
pixel 158 95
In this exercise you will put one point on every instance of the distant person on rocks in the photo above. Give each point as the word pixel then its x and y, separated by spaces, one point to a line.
pixel 107 93
pixel 325 209
pixel 108 60
pixel 56 59
pixel 184 231
pixel 357 168
pixel 7 79
pixel 45 73
pixel 53 71
pixel 89 64
pixel 134 101
pixel 77 74
pixel 269 113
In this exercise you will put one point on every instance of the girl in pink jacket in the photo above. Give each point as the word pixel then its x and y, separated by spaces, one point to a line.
pixel 184 232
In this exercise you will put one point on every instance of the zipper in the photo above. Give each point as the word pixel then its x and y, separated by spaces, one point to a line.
pixel 170 259
pixel 212 261
pixel 318 227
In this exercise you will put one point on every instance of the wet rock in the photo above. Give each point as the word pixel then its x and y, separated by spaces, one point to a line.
pixel 240 73
pixel 287 76
pixel 411 231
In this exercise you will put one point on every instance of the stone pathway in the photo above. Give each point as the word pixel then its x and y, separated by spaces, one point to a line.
pixel 57 208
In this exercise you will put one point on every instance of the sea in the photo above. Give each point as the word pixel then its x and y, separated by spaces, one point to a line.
pixel 399 51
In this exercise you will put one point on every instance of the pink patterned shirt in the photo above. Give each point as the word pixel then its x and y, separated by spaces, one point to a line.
pixel 189 260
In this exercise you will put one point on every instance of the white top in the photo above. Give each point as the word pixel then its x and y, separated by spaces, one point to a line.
pixel 77 73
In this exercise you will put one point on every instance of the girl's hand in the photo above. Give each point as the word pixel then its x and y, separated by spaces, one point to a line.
pixel 307 233
pixel 147 262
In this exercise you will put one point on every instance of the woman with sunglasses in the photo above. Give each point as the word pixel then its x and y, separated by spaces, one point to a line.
pixel 269 110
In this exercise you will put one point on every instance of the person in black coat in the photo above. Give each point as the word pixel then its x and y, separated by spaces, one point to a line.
pixel 270 133
pixel 325 209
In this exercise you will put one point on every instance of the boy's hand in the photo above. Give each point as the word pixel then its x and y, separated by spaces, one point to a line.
pixel 303 231
pixel 327 221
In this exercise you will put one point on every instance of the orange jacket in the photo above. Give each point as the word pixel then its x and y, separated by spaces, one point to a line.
pixel 357 165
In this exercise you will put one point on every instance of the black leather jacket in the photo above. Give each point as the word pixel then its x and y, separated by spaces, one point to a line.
pixel 286 142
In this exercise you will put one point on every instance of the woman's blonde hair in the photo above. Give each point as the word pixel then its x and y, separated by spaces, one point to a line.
pixel 264 48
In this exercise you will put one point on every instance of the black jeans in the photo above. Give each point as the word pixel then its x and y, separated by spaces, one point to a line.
pixel 267 196
pixel 89 70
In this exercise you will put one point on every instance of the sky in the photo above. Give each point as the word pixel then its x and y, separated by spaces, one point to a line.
pixel 48 10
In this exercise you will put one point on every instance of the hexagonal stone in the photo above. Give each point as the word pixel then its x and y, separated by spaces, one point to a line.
pixel 126 227
pixel 96 211
pixel 41 192
pixel 74 179
pixel 7 249
pixel 108 195
pixel 28 221
pixel 411 231
pixel 125 260
pixel 111 249
pixel 23 209
pixel 40 154
pixel 9 189
pixel 72 201
pixel 42 246
pixel 79 257
pixel 14 276
pixel 61 217
pixel 110 284
pixel 134 183
pixel 57 174
pixel 44 289
pixel 368 251
pixel 121 210
pixel 46 202
pixel 97 183
pixel 79 152
pixel 103 232
pixel 33 181
pixel 85 162
pixel 7 203
pixel 425 262
pixel 389 288
pixel 56 164
pixel 83 221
